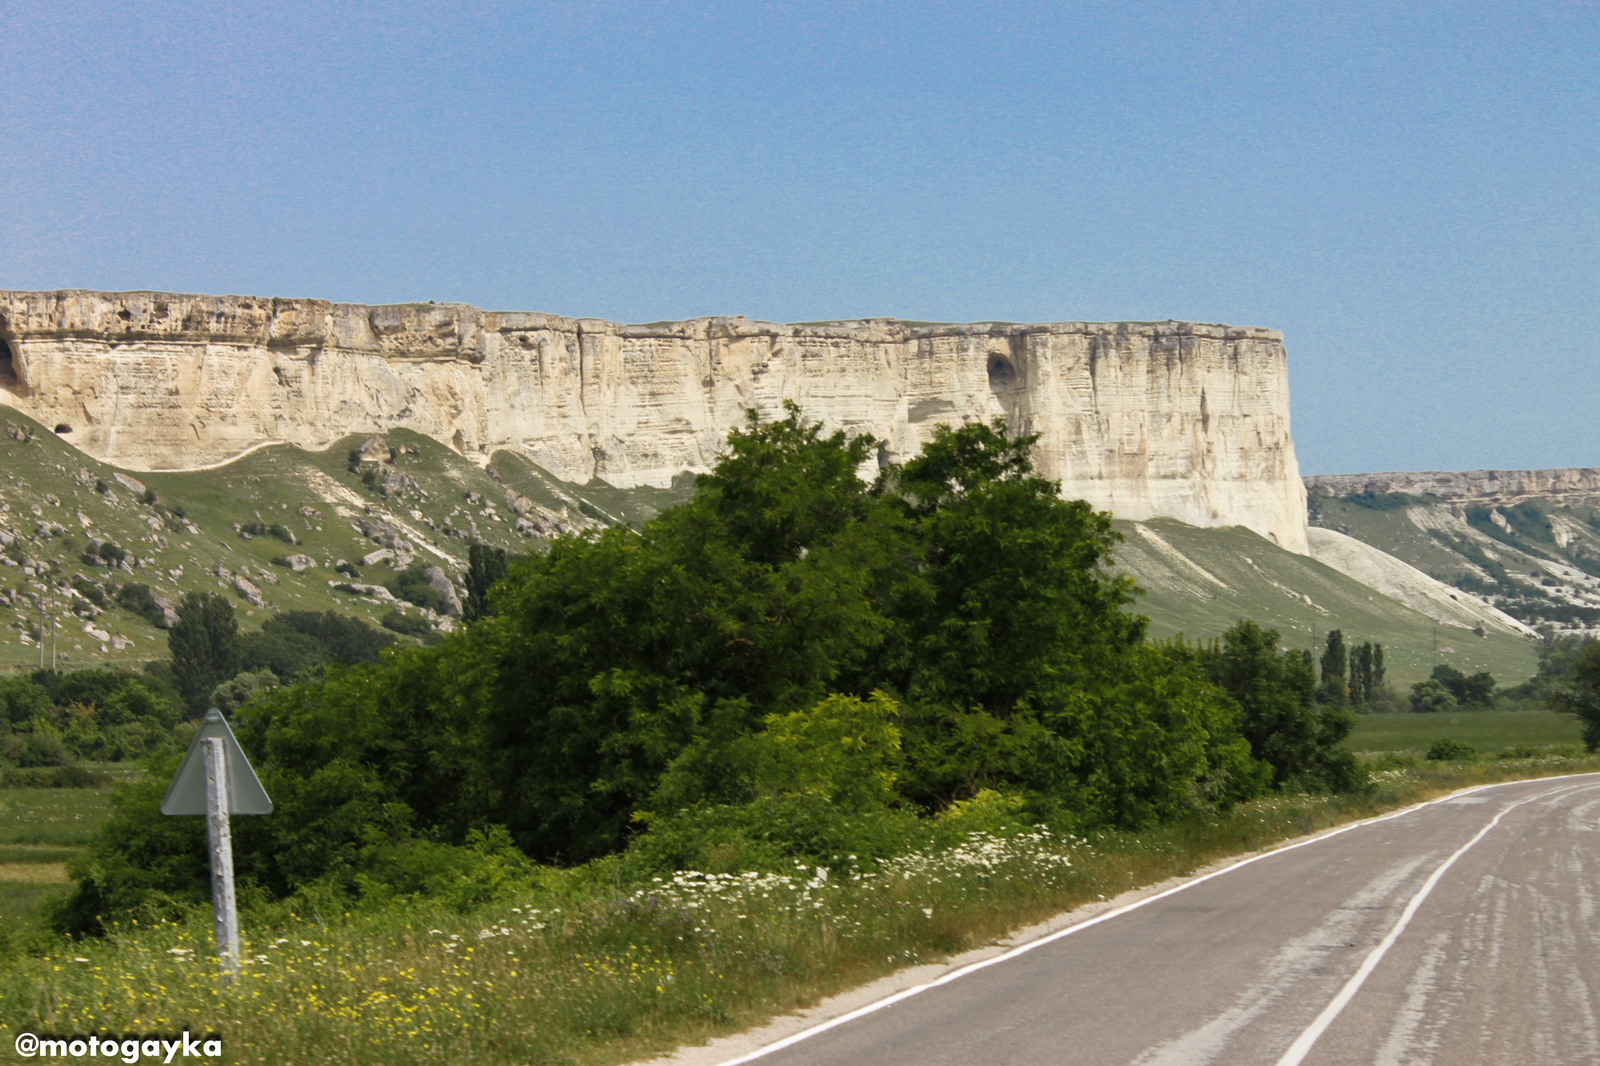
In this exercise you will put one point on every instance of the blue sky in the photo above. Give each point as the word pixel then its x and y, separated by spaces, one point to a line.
pixel 1411 192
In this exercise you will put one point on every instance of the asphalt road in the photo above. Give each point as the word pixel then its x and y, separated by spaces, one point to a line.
pixel 1463 932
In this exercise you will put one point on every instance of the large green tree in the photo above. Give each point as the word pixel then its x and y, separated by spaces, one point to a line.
pixel 486 565
pixel 626 649
pixel 1580 695
pixel 1335 686
pixel 203 644
pixel 1276 692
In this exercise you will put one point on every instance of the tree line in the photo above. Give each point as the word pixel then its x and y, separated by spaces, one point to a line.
pixel 795 663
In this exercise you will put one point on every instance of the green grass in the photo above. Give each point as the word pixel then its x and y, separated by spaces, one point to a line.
pixel 10 853
pixel 41 828
pixel 1250 577
pixel 1488 731
pixel 269 485
pixel 58 817
pixel 21 904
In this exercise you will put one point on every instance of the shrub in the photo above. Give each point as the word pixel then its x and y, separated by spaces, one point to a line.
pixel 38 749
pixel 1431 696
pixel 410 585
pixel 410 625
pixel 139 600
pixel 338 636
pixel 91 592
pixel 1447 750
pixel 53 777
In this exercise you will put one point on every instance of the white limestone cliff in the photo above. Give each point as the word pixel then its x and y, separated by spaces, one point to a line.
pixel 1170 419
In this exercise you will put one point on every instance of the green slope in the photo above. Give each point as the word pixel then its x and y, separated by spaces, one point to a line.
pixel 1198 582
pixel 46 480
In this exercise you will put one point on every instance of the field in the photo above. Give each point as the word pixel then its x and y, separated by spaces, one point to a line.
pixel 41 830
pixel 1488 731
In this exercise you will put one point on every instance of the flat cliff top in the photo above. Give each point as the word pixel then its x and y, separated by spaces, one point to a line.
pixel 277 320
pixel 1459 484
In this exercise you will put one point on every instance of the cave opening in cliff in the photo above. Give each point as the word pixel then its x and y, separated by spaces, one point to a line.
pixel 1002 375
pixel 8 366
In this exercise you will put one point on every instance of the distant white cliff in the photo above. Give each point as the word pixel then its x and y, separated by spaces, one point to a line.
pixel 1169 419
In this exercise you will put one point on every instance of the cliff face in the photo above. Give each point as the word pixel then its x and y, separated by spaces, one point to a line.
pixel 1172 419
pixel 1497 485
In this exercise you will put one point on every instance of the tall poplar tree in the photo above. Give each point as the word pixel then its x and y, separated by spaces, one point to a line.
pixel 1335 687
pixel 203 643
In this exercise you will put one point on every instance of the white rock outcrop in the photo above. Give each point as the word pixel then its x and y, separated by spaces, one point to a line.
pixel 1175 419
pixel 1401 581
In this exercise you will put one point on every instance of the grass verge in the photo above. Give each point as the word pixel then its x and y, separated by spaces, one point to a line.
pixel 581 969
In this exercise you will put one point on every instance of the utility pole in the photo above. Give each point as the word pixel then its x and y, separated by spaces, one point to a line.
pixel 41 627
pixel 1435 664
pixel 54 610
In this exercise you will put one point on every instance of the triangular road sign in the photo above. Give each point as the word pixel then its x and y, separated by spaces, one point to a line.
pixel 187 793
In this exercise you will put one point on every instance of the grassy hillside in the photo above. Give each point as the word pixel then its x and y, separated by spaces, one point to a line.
pixel 56 504
pixel 1537 559
pixel 1201 581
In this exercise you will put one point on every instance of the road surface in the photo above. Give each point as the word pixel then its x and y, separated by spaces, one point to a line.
pixel 1463 932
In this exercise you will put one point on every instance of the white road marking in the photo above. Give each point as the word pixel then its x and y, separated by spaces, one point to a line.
pixel 1296 960
pixel 1308 1039
pixel 1020 950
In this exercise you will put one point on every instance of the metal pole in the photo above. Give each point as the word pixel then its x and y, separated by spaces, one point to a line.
pixel 41 627
pixel 224 908
pixel 54 610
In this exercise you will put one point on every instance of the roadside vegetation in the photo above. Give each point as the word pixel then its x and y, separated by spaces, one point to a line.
pixel 792 734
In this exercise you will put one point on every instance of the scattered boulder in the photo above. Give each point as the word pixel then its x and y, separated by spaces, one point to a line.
pixel 131 484
pixel 97 633
pixel 168 606
pixel 373 558
pixel 374 450
pixel 298 562
pixel 398 485
pixel 375 591
pixel 439 581
pixel 248 591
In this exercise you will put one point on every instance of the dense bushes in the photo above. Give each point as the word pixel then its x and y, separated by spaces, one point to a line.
pixel 794 665
pixel 50 720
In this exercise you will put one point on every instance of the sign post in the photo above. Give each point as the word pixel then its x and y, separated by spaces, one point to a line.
pixel 216 780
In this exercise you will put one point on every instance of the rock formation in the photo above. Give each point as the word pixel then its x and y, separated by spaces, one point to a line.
pixel 1172 419
pixel 1496 485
